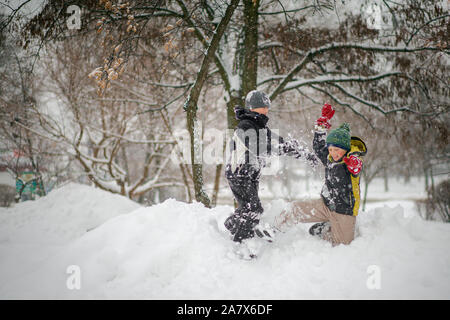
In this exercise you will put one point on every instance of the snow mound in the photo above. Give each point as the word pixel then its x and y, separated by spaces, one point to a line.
pixel 63 215
pixel 176 250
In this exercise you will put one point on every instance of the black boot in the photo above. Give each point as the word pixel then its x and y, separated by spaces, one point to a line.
pixel 320 228
pixel 244 228
pixel 231 223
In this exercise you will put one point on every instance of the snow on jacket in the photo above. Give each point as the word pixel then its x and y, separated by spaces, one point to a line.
pixel 341 191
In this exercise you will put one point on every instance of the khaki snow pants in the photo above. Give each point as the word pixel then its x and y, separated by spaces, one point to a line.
pixel 342 226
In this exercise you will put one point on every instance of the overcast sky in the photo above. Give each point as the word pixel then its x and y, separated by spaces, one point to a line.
pixel 31 7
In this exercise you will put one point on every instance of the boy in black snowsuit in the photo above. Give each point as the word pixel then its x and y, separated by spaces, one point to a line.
pixel 250 146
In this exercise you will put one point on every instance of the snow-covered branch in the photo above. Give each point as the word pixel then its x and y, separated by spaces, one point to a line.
pixel 142 185
pixel 223 71
pixel 375 105
pixel 424 25
pixel 308 57
pixel 342 103
pixel 262 13
pixel 328 79
pixel 270 45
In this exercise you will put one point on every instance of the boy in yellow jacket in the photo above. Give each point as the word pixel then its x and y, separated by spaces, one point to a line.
pixel 337 209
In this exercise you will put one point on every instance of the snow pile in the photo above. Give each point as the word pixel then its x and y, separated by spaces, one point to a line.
pixel 176 250
pixel 63 215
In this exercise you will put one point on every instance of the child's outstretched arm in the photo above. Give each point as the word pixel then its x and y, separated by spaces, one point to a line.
pixel 320 132
pixel 291 147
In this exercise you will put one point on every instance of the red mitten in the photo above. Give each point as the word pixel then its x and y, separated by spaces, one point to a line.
pixel 354 164
pixel 327 114
pixel 327 111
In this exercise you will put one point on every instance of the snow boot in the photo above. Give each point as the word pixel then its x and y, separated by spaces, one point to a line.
pixel 231 223
pixel 243 232
pixel 244 227
pixel 320 228
pixel 265 232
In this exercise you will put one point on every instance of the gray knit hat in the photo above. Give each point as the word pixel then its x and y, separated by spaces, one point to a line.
pixel 257 99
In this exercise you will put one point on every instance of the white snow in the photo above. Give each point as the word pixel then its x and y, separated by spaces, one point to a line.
pixel 176 250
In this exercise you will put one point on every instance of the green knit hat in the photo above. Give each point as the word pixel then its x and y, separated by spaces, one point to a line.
pixel 340 137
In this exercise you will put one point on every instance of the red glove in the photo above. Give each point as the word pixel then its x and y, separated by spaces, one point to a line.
pixel 327 114
pixel 354 164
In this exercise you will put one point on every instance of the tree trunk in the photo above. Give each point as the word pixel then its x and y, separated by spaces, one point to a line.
pixel 216 185
pixel 386 180
pixel 425 173
pixel 196 156
pixel 250 65
pixel 431 178
pixel 191 106
pixel 231 117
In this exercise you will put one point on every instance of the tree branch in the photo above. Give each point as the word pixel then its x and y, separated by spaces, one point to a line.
pixel 424 25
pixel 376 106
pixel 326 79
pixel 344 104
pixel 335 46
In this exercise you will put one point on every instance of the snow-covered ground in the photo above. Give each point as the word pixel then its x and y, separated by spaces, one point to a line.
pixel 81 242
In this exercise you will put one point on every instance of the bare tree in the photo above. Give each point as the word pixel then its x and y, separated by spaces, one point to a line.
pixel 118 150
pixel 17 84
pixel 372 72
